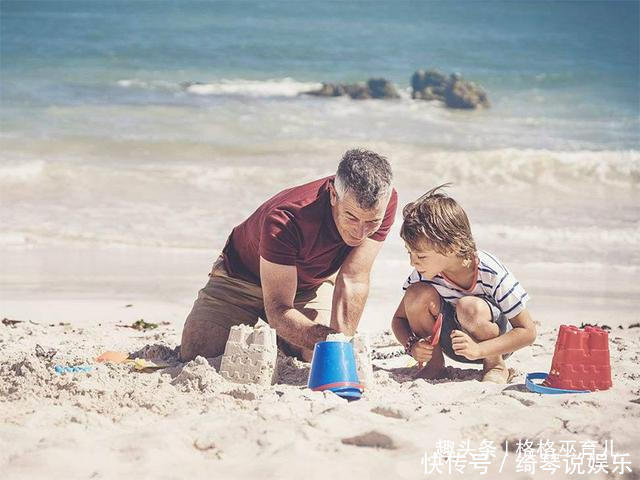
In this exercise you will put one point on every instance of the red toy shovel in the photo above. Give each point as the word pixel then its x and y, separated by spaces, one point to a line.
pixel 434 338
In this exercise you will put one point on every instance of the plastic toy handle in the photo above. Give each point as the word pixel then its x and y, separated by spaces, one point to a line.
pixel 435 336
pixel 537 388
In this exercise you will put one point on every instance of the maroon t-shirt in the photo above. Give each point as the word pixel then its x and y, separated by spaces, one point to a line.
pixel 295 227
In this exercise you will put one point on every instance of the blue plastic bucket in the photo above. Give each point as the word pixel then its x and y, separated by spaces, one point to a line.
pixel 333 367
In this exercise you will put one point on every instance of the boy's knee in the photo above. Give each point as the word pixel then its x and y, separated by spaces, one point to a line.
pixel 471 311
pixel 421 297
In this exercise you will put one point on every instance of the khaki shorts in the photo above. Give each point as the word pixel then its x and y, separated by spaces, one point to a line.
pixel 226 301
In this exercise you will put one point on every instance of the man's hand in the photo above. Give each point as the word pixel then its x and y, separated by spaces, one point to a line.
pixel 465 346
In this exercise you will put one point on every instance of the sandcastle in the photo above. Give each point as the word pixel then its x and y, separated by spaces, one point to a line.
pixel 362 349
pixel 250 355
pixel 581 360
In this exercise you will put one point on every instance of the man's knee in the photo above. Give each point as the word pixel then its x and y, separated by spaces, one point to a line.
pixel 204 338
pixel 420 298
pixel 187 352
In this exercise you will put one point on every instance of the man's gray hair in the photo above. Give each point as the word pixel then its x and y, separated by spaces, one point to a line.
pixel 366 175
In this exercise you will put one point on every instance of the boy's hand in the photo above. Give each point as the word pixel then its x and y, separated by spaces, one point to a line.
pixel 422 351
pixel 464 345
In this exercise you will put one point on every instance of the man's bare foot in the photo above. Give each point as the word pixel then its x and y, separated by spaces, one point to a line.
pixel 434 370
pixel 496 372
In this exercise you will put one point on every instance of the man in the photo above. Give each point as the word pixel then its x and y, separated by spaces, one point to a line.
pixel 301 261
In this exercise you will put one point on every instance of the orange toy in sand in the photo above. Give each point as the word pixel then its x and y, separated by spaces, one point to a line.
pixel 114 357
pixel 581 360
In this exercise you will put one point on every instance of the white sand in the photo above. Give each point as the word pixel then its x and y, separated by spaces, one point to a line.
pixel 188 422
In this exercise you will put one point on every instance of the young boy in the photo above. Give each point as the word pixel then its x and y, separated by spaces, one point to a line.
pixel 483 305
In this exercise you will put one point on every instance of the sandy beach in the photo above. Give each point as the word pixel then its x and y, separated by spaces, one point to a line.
pixel 134 136
pixel 186 421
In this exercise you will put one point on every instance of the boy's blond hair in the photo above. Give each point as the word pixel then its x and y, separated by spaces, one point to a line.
pixel 438 220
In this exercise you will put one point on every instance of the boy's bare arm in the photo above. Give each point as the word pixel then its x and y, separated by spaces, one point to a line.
pixel 400 324
pixel 422 351
pixel 523 334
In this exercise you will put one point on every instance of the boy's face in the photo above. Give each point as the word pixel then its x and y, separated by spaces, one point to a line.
pixel 426 261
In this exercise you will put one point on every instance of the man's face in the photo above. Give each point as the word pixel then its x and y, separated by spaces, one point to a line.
pixel 354 223
pixel 426 260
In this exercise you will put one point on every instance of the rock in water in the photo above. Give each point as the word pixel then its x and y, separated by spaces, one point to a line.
pixel 377 88
pixel 381 88
pixel 463 94
pixel 328 90
pixel 431 80
pixel 454 91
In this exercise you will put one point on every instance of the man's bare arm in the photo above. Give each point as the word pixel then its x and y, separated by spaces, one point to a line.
pixel 279 285
pixel 352 287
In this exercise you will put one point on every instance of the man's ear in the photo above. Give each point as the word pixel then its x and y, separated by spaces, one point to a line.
pixel 333 195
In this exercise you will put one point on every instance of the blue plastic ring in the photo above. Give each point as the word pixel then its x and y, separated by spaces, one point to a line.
pixel 537 388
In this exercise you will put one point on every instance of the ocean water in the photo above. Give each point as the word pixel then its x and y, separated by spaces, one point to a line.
pixel 165 123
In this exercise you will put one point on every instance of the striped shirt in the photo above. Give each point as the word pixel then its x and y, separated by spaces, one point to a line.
pixel 494 282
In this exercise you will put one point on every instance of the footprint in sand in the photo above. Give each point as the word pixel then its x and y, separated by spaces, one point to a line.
pixel 371 439
pixel 390 412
